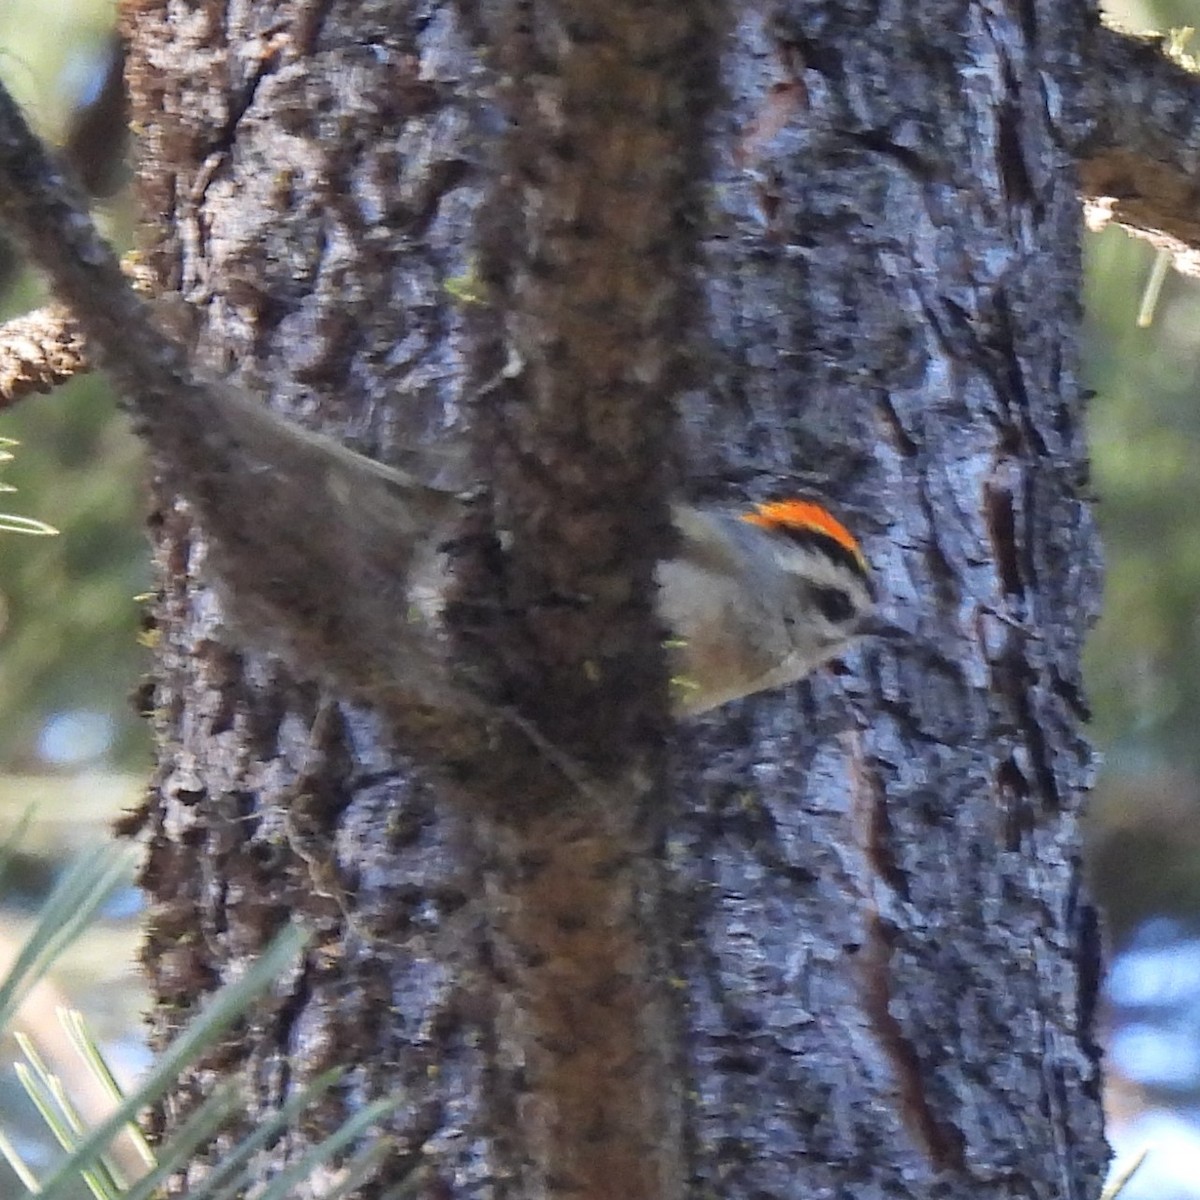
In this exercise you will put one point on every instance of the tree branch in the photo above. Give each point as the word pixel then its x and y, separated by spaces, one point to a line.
pixel 48 212
pixel 1141 168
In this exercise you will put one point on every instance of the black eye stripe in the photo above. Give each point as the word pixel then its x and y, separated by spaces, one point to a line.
pixel 835 603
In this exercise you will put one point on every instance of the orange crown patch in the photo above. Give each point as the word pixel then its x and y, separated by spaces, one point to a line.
pixel 806 516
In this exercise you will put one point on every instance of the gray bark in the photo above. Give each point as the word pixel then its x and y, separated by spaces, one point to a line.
pixel 882 873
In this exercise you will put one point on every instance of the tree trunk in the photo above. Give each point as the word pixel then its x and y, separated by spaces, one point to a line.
pixel 870 969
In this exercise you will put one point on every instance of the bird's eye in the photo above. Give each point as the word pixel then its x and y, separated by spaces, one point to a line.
pixel 834 604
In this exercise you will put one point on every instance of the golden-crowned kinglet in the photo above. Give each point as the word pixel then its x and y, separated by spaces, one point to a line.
pixel 751 600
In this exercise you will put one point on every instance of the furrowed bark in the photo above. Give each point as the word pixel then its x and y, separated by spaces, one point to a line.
pixel 878 873
pixel 314 172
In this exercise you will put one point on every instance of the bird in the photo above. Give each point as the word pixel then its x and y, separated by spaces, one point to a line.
pixel 336 560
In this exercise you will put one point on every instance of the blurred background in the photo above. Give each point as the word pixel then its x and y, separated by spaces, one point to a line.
pixel 73 749
pixel 73 753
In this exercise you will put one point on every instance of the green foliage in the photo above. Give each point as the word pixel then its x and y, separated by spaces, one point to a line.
pixel 63 919
pixel 11 522
pixel 64 916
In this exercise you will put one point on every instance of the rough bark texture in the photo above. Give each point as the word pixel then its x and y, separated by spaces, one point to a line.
pixel 883 870
pixel 316 175
pixel 882 959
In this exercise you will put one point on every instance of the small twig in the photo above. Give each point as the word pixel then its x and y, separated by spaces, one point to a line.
pixel 47 212
pixel 571 769
pixel 38 351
